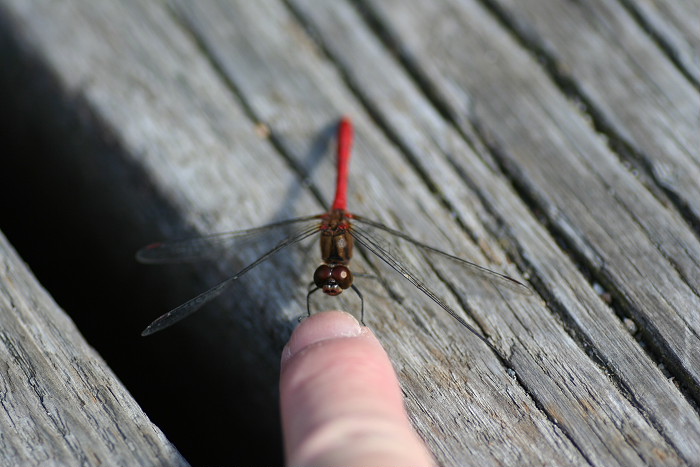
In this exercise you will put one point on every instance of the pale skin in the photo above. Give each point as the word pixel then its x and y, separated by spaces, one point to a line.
pixel 341 402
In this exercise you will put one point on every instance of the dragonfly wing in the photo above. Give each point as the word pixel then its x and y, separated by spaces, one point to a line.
pixel 212 246
pixel 501 281
pixel 189 307
pixel 382 250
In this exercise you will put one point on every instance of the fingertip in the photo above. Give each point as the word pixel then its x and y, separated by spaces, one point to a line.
pixel 341 402
pixel 320 327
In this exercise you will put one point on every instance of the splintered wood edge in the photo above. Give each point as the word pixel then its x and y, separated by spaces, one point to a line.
pixel 60 400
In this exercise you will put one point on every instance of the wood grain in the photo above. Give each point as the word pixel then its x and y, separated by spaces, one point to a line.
pixel 520 139
pixel 647 244
pixel 432 143
pixel 61 404
pixel 672 25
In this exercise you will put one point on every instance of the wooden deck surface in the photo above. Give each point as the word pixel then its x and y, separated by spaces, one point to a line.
pixel 61 404
pixel 557 142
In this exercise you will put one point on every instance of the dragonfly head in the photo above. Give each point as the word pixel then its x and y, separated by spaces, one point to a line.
pixel 332 278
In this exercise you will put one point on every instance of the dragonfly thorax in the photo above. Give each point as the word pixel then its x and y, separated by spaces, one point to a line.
pixel 336 240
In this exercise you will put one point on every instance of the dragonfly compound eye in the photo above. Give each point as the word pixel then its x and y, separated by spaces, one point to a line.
pixel 332 279
pixel 342 276
pixel 322 275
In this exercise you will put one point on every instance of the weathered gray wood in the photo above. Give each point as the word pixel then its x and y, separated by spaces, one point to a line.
pixel 630 238
pixel 118 61
pixel 636 95
pixel 255 67
pixel 675 26
pixel 223 30
pixel 636 244
pixel 566 188
pixel 182 126
pixel 432 142
pixel 61 404
pixel 183 86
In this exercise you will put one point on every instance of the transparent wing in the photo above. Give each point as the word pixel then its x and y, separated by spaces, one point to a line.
pixel 212 246
pixel 189 307
pixel 499 280
pixel 370 235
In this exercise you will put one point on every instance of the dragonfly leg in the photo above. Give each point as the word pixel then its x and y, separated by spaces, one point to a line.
pixel 362 304
pixel 308 299
pixel 357 291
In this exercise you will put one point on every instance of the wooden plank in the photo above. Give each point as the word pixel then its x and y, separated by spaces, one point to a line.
pixel 183 97
pixel 254 67
pixel 635 95
pixel 674 26
pixel 61 404
pixel 432 143
pixel 560 183
pixel 161 108
pixel 222 30
pixel 637 247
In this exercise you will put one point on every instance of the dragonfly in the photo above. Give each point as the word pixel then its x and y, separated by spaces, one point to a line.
pixel 339 231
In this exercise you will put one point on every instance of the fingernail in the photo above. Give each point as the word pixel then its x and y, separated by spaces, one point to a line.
pixel 320 327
